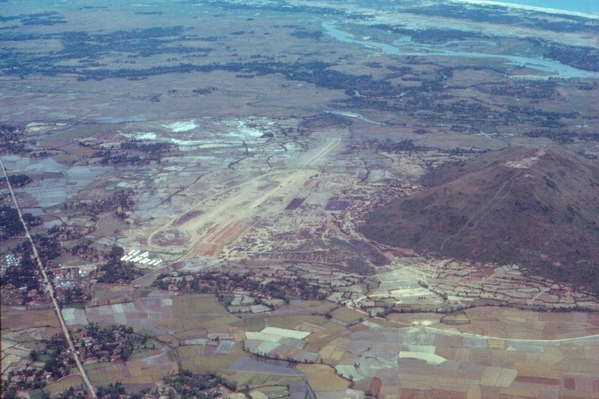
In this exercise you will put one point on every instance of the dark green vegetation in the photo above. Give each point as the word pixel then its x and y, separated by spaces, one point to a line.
pixel 216 283
pixel 21 281
pixel 117 271
pixel 498 15
pixel 55 362
pixel 16 180
pixel 42 18
pixel 117 391
pixel 119 203
pixel 11 139
pixel 91 47
pixel 10 224
pixel 132 153
pixel 422 89
pixel 586 58
pixel 184 385
pixel 577 56
pixel 52 360
pixel 111 342
pixel 535 208
pixel 201 386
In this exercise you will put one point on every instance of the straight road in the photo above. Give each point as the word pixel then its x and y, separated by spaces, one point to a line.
pixel 49 289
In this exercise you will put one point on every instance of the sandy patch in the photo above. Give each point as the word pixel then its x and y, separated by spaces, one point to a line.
pixel 178 127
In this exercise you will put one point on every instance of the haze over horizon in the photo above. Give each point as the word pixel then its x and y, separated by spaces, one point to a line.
pixel 292 199
pixel 581 6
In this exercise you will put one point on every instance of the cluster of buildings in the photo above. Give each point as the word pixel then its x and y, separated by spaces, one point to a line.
pixel 9 260
pixel 136 256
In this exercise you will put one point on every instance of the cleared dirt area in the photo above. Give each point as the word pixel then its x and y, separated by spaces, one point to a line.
pixel 228 220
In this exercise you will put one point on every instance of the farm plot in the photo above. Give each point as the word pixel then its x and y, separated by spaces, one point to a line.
pixel 323 378
pixel 64 383
pixel 16 318
pixel 138 371
pixel 139 313
pixel 279 343
pixel 198 359
pixel 428 361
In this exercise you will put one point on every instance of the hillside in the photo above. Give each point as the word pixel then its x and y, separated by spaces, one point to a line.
pixel 538 208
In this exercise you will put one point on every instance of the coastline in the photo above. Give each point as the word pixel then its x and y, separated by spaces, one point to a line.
pixel 528 8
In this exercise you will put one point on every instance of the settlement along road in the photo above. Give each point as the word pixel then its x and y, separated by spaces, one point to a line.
pixel 49 288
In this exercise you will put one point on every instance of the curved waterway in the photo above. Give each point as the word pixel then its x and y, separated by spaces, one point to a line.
pixel 406 48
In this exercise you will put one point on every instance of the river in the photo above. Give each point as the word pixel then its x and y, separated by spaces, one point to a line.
pixel 408 48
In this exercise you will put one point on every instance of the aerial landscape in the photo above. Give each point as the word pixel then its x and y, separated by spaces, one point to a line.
pixel 298 199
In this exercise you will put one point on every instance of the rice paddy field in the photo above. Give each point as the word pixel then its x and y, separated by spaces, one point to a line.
pixel 143 369
pixel 493 352
pixel 63 384
pixel 322 378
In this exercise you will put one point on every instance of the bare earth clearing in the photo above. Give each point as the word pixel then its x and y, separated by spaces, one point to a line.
pixel 232 150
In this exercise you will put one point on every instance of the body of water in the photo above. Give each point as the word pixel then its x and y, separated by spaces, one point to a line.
pixel 584 6
pixel 407 48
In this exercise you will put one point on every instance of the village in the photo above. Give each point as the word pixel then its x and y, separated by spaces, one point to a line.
pixel 271 247
pixel 189 187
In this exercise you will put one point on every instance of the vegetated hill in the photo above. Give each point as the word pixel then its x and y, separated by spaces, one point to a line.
pixel 538 208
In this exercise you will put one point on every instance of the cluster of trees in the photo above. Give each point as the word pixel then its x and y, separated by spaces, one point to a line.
pixel 117 271
pixel 152 151
pixel 112 341
pixel 25 274
pixel 501 15
pixel 184 385
pixel 277 6
pixel 432 35
pixel 90 48
pixel 219 283
pixel 39 18
pixel 10 224
pixel 57 363
pixel 109 158
pixel 149 148
pixel 400 146
pixel 564 136
pixel 204 90
pixel 66 232
pixel 16 180
pixel 70 393
pixel 73 296
pixel 12 140
pixel 117 391
pixel 586 58
pixel 48 248
pixel 201 385
pixel 524 89
pixel 120 202
pixel 302 34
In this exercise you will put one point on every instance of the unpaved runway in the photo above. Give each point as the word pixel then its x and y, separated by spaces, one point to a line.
pixel 232 217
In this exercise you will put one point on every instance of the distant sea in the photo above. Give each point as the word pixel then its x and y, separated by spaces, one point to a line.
pixel 584 6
